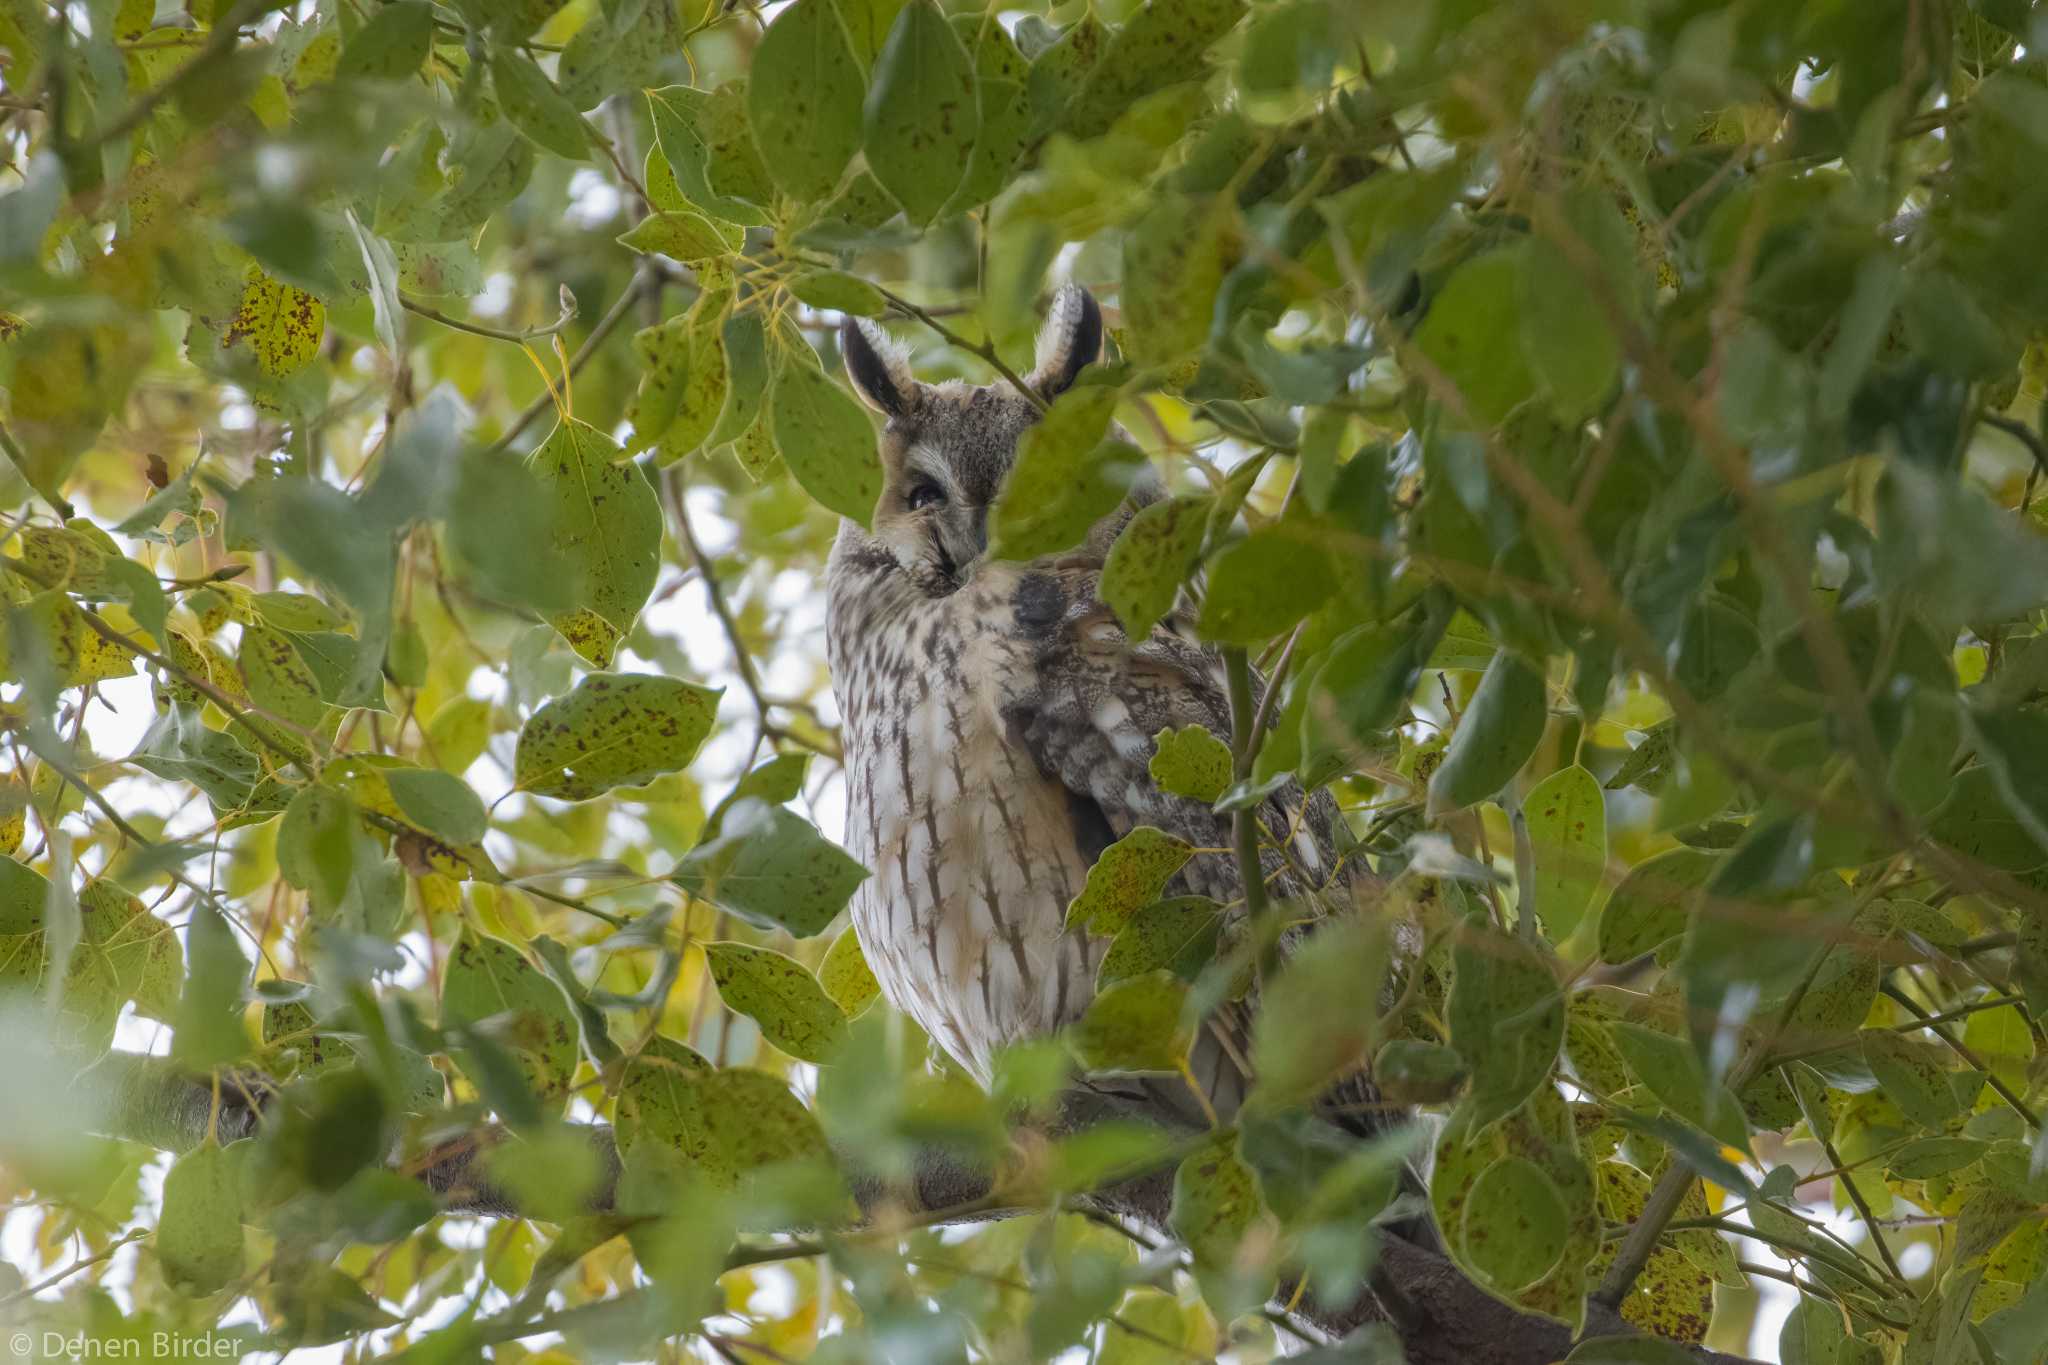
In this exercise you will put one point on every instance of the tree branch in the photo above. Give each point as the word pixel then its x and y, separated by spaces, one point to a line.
pixel 1447 1319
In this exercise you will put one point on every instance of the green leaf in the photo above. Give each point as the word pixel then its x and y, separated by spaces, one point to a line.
pixel 1160 45
pixel 208 1024
pixel 1499 730
pixel 1179 934
pixel 777 993
pixel 199 1231
pixel 606 531
pixel 1150 560
pixel 23 894
pixel 922 112
pixel 613 730
pixel 846 977
pixel 1506 1016
pixel 1129 873
pixel 439 803
pixel 1320 1019
pixel 1914 1075
pixel 1220 1216
pixel 391 46
pixel 1651 905
pixel 618 48
pixel 837 290
pixel 1264 584
pixel 1567 815
pixel 316 844
pixel 1565 333
pixel 660 1100
pixel 535 107
pixel 825 437
pixel 1190 762
pixel 773 869
pixel 490 984
pixel 751 1121
pixel 708 147
pixel 683 381
pixel 1411 1071
pixel 683 235
pixel 1173 267
pixel 1135 1025
pixel 1472 335
pixel 804 96
pixel 1514 1226
pixel 1065 476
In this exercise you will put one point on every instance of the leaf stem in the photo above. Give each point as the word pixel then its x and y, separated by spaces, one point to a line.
pixel 1244 822
pixel 604 327
pixel 568 316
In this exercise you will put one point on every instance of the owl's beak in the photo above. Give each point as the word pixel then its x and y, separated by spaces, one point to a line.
pixel 963 535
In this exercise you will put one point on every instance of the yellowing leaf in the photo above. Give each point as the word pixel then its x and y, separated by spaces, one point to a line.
pixel 281 324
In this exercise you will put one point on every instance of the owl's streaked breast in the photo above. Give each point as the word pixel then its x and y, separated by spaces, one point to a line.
pixel 972 850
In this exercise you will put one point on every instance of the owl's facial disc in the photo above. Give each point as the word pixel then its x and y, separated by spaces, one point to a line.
pixel 935 528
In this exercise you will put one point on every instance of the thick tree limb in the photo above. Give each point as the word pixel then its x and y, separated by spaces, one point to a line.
pixel 1444 1319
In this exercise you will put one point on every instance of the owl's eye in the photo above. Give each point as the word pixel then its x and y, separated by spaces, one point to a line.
pixel 926 495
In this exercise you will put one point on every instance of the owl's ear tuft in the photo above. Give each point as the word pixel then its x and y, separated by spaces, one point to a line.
pixel 879 369
pixel 1070 341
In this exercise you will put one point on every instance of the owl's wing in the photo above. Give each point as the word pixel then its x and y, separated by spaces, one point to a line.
pixel 1086 706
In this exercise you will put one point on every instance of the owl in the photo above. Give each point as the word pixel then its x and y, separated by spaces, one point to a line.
pixel 999 723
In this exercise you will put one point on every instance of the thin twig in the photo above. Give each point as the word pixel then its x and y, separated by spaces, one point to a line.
pixel 568 315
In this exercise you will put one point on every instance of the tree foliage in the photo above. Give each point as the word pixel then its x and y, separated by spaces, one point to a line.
pixel 1614 427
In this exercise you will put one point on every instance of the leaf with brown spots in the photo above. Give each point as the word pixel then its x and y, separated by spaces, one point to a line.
pixel 772 868
pixel 1220 1215
pixel 846 977
pixel 1161 45
pixel 1190 762
pixel 1151 559
pixel 282 324
pixel 804 97
pixel 923 114
pixel 1131 872
pixel 777 993
pixel 1567 817
pixel 613 730
pixel 490 983
pixel 1137 1024
pixel 606 534
pixel 826 440
pixel 1514 1225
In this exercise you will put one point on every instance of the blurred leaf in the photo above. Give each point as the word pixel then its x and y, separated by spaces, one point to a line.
pixel 1135 1025
pixel 1151 558
pixel 845 975
pixel 1066 475
pixel 199 1232
pixel 1499 730
pixel 1506 1016
pixel 1568 830
pixel 535 107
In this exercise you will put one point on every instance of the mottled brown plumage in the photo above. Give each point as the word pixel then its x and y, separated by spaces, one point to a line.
pixel 999 724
